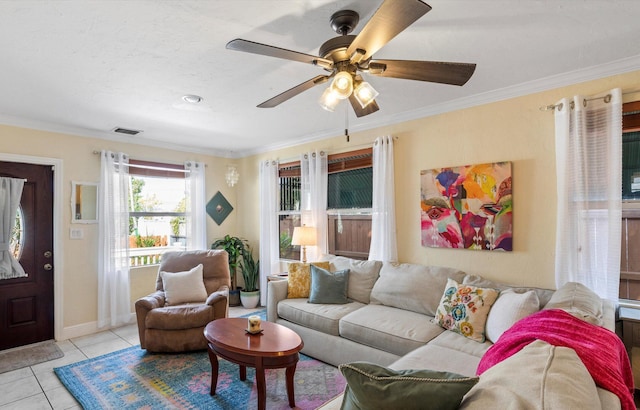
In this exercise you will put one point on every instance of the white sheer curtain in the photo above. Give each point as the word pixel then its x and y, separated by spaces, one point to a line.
pixel 196 222
pixel 114 305
pixel 589 180
pixel 269 230
pixel 10 194
pixel 383 219
pixel 313 202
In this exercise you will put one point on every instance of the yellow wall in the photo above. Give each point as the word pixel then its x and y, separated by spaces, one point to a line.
pixel 512 130
pixel 80 257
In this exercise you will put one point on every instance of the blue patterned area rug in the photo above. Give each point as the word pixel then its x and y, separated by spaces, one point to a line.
pixel 135 379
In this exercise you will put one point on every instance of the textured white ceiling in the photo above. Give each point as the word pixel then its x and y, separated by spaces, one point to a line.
pixel 86 67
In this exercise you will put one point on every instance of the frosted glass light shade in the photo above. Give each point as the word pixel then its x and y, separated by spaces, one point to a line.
pixel 329 101
pixel 365 93
pixel 342 85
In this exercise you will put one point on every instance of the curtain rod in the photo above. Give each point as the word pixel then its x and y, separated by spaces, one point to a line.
pixel 186 171
pixel 606 99
pixel 348 149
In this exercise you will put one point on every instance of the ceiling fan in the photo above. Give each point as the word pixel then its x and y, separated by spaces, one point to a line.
pixel 347 56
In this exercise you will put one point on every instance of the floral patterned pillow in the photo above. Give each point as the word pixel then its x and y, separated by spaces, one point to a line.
pixel 300 278
pixel 464 309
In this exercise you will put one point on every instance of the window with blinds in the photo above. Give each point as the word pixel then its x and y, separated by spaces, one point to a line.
pixel 349 196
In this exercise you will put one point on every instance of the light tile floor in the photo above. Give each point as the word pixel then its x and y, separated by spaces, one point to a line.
pixel 37 387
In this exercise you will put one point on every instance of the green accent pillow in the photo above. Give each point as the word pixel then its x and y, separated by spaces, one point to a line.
pixel 370 386
pixel 328 287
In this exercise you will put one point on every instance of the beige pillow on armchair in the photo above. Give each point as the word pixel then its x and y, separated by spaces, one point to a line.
pixel 184 287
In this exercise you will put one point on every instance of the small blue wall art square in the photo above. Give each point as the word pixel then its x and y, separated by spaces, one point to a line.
pixel 218 208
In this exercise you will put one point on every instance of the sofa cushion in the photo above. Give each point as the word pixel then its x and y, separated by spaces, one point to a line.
pixel 370 386
pixel 464 309
pixel 300 278
pixel 578 300
pixel 540 376
pixel 328 287
pixel 413 287
pixel 389 329
pixel 459 343
pixel 179 317
pixel 510 307
pixel 362 276
pixel 184 287
pixel 323 318
pixel 440 358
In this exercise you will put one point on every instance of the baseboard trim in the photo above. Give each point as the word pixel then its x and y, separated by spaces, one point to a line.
pixel 85 329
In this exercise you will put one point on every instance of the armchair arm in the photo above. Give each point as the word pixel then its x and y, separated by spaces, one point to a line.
pixel 152 301
pixel 143 306
pixel 219 300
pixel 276 291
pixel 222 293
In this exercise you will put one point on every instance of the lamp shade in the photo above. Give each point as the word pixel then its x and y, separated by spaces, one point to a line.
pixel 304 236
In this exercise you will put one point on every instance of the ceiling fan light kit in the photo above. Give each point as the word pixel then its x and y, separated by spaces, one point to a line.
pixel 346 56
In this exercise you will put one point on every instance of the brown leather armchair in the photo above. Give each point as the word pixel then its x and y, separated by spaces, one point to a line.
pixel 179 328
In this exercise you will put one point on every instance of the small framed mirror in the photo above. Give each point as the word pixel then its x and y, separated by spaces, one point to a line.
pixel 84 202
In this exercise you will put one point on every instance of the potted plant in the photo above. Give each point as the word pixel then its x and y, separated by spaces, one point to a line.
pixel 235 247
pixel 250 295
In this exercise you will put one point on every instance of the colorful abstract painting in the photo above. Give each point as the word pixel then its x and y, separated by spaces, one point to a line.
pixel 467 207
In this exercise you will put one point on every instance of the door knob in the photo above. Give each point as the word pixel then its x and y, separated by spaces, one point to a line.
pixel 48 266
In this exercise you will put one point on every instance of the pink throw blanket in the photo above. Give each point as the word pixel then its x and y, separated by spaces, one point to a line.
pixel 601 350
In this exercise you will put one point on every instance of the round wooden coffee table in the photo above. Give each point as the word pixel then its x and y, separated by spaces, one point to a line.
pixel 275 348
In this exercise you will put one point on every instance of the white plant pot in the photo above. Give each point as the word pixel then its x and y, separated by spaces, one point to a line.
pixel 250 299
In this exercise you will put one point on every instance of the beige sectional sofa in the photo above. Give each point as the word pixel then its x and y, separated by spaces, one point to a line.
pixel 389 319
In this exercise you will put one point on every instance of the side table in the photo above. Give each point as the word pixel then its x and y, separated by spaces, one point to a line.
pixel 279 276
pixel 630 327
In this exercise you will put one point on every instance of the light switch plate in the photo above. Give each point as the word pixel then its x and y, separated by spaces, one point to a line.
pixel 76 233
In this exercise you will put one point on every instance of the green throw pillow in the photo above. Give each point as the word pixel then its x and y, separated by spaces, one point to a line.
pixel 328 287
pixel 370 386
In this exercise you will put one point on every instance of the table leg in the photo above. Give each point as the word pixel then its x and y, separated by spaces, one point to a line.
pixel 290 394
pixel 243 372
pixel 261 385
pixel 213 358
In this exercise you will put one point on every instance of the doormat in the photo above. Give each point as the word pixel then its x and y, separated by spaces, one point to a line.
pixel 25 356
pixel 135 379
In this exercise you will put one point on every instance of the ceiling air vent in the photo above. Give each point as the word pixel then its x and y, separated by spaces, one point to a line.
pixel 126 131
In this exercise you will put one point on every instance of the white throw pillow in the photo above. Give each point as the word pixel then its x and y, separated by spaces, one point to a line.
pixel 183 287
pixel 508 309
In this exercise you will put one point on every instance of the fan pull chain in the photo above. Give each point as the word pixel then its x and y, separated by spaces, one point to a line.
pixel 346 121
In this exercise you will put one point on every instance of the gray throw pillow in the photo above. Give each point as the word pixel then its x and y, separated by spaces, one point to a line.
pixel 370 386
pixel 328 287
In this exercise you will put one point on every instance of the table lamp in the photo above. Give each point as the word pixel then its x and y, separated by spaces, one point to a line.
pixel 304 236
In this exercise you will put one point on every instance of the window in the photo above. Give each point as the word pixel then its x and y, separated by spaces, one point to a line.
pixel 349 197
pixel 630 257
pixel 16 242
pixel 157 214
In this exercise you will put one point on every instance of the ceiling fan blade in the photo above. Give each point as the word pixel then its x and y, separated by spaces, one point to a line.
pixel 272 51
pixel 292 92
pixel 389 20
pixel 432 71
pixel 361 112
